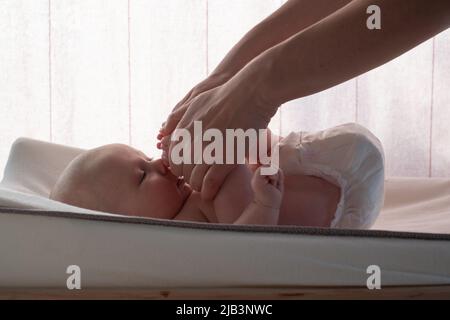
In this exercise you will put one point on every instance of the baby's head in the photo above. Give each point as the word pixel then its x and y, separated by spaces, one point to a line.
pixel 118 179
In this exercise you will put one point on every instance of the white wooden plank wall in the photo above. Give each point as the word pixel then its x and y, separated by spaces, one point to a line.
pixel 90 72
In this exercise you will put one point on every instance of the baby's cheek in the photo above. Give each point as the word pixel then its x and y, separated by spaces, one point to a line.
pixel 170 194
pixel 165 197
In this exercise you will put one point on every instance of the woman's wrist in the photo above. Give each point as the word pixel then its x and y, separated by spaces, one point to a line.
pixel 220 76
pixel 264 69
pixel 251 85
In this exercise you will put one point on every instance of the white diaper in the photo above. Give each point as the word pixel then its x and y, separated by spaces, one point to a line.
pixel 347 155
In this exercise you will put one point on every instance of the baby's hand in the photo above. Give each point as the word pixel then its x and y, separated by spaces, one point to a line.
pixel 268 189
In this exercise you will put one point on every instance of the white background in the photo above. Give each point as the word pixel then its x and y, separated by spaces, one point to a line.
pixel 91 72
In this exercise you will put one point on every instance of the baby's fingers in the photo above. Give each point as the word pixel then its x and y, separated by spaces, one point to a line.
pixel 277 180
pixel 280 182
pixel 272 179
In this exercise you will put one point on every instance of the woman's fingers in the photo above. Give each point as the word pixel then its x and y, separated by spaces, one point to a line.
pixel 213 180
pixel 165 158
pixel 160 134
pixel 165 143
pixel 172 121
pixel 197 176
pixel 184 100
pixel 175 116
pixel 187 171
pixel 280 185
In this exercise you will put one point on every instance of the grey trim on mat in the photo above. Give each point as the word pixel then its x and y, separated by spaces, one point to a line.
pixel 232 228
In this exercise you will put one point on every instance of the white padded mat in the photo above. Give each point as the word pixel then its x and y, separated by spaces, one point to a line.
pixel 416 205
pixel 37 245
pixel 411 204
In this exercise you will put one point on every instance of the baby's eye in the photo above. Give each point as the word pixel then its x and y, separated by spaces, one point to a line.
pixel 144 174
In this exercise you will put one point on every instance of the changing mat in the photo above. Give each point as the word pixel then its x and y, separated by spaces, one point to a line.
pixel 40 238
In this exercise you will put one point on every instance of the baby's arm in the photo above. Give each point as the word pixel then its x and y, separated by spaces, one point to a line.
pixel 265 206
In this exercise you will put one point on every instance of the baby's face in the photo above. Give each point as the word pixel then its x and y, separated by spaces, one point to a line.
pixel 131 183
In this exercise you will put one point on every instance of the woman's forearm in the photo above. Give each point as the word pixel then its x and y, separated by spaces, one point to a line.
pixel 341 47
pixel 289 19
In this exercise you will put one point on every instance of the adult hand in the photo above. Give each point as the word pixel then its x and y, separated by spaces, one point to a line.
pixel 235 104
pixel 212 81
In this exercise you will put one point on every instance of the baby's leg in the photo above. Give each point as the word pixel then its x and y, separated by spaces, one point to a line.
pixel 308 201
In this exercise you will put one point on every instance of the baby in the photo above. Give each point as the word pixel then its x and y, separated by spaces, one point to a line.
pixel 331 178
